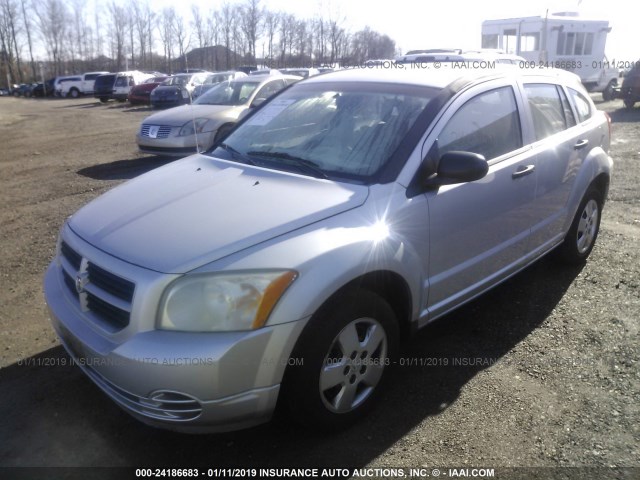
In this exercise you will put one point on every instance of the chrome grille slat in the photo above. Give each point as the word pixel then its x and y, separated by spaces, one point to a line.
pixel 106 295
pixel 163 130
pixel 106 311
pixel 70 255
pixel 107 281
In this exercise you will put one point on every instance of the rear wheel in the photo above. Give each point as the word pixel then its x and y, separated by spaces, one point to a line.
pixel 607 93
pixel 342 359
pixel 584 229
pixel 74 93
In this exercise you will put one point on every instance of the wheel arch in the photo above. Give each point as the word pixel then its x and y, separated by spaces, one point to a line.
pixel 388 285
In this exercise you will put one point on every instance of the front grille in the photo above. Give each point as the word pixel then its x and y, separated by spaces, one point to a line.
pixel 111 283
pixel 72 257
pixel 114 315
pixel 163 130
pixel 105 295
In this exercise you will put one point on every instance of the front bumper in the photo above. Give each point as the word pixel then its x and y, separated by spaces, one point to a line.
pixel 171 145
pixel 190 382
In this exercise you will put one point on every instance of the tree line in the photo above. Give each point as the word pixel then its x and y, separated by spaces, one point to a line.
pixel 47 38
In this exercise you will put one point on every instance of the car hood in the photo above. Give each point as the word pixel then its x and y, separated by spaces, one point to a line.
pixel 200 209
pixel 178 116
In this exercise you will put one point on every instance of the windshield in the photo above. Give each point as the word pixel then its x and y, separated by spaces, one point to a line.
pixel 228 93
pixel 178 80
pixel 339 130
pixel 221 77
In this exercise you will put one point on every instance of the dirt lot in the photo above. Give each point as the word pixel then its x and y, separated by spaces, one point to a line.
pixel 551 376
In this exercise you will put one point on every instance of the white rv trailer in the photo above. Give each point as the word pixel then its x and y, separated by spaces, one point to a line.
pixel 563 40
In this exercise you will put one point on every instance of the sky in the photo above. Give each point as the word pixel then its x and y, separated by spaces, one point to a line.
pixel 414 24
pixel 422 24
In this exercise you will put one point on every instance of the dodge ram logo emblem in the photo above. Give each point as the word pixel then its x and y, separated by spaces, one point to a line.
pixel 81 281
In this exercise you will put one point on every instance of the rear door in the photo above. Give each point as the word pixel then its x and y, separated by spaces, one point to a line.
pixel 560 144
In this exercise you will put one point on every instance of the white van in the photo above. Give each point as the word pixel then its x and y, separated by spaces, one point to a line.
pixel 126 80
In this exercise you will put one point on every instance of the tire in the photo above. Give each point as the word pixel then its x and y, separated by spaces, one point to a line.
pixel 342 358
pixel 607 93
pixel 104 100
pixel 74 93
pixel 629 103
pixel 222 132
pixel 583 233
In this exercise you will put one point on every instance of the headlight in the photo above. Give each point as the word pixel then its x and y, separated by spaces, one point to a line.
pixel 197 125
pixel 222 301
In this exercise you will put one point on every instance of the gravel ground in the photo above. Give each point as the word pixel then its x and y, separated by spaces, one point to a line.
pixel 540 372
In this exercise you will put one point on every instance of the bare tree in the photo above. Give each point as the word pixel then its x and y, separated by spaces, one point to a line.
pixel 27 28
pixel 165 28
pixel 141 18
pixel 117 32
pixel 12 31
pixel 226 22
pixel 271 23
pixel 252 18
pixel 183 38
pixel 213 37
pixel 336 37
pixel 53 20
pixel 6 46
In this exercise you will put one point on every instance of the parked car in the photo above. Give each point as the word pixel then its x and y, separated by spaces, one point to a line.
pixel 281 266
pixel 59 81
pixel 23 90
pixel 177 89
pixel 184 130
pixel 214 79
pixel 4 92
pixel 103 87
pixel 141 93
pixel 629 92
pixel 44 90
pixel 83 86
pixel 125 81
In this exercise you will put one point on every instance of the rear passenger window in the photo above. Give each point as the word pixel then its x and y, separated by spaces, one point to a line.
pixel 547 109
pixel 487 124
pixel 583 107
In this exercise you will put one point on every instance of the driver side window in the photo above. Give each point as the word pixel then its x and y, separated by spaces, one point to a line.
pixel 488 125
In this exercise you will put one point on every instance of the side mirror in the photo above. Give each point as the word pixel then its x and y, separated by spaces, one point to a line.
pixel 461 167
pixel 257 102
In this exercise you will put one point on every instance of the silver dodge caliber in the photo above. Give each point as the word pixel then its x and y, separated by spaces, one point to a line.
pixel 281 265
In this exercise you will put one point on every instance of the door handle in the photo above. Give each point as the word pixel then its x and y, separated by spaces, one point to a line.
pixel 523 170
pixel 581 144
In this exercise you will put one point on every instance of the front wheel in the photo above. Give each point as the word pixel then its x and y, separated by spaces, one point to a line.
pixel 582 235
pixel 629 103
pixel 341 361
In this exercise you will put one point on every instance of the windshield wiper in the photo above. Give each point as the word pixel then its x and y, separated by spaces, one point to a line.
pixel 308 165
pixel 236 155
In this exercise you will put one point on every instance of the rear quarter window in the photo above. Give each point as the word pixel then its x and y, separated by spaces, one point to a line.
pixel 583 106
